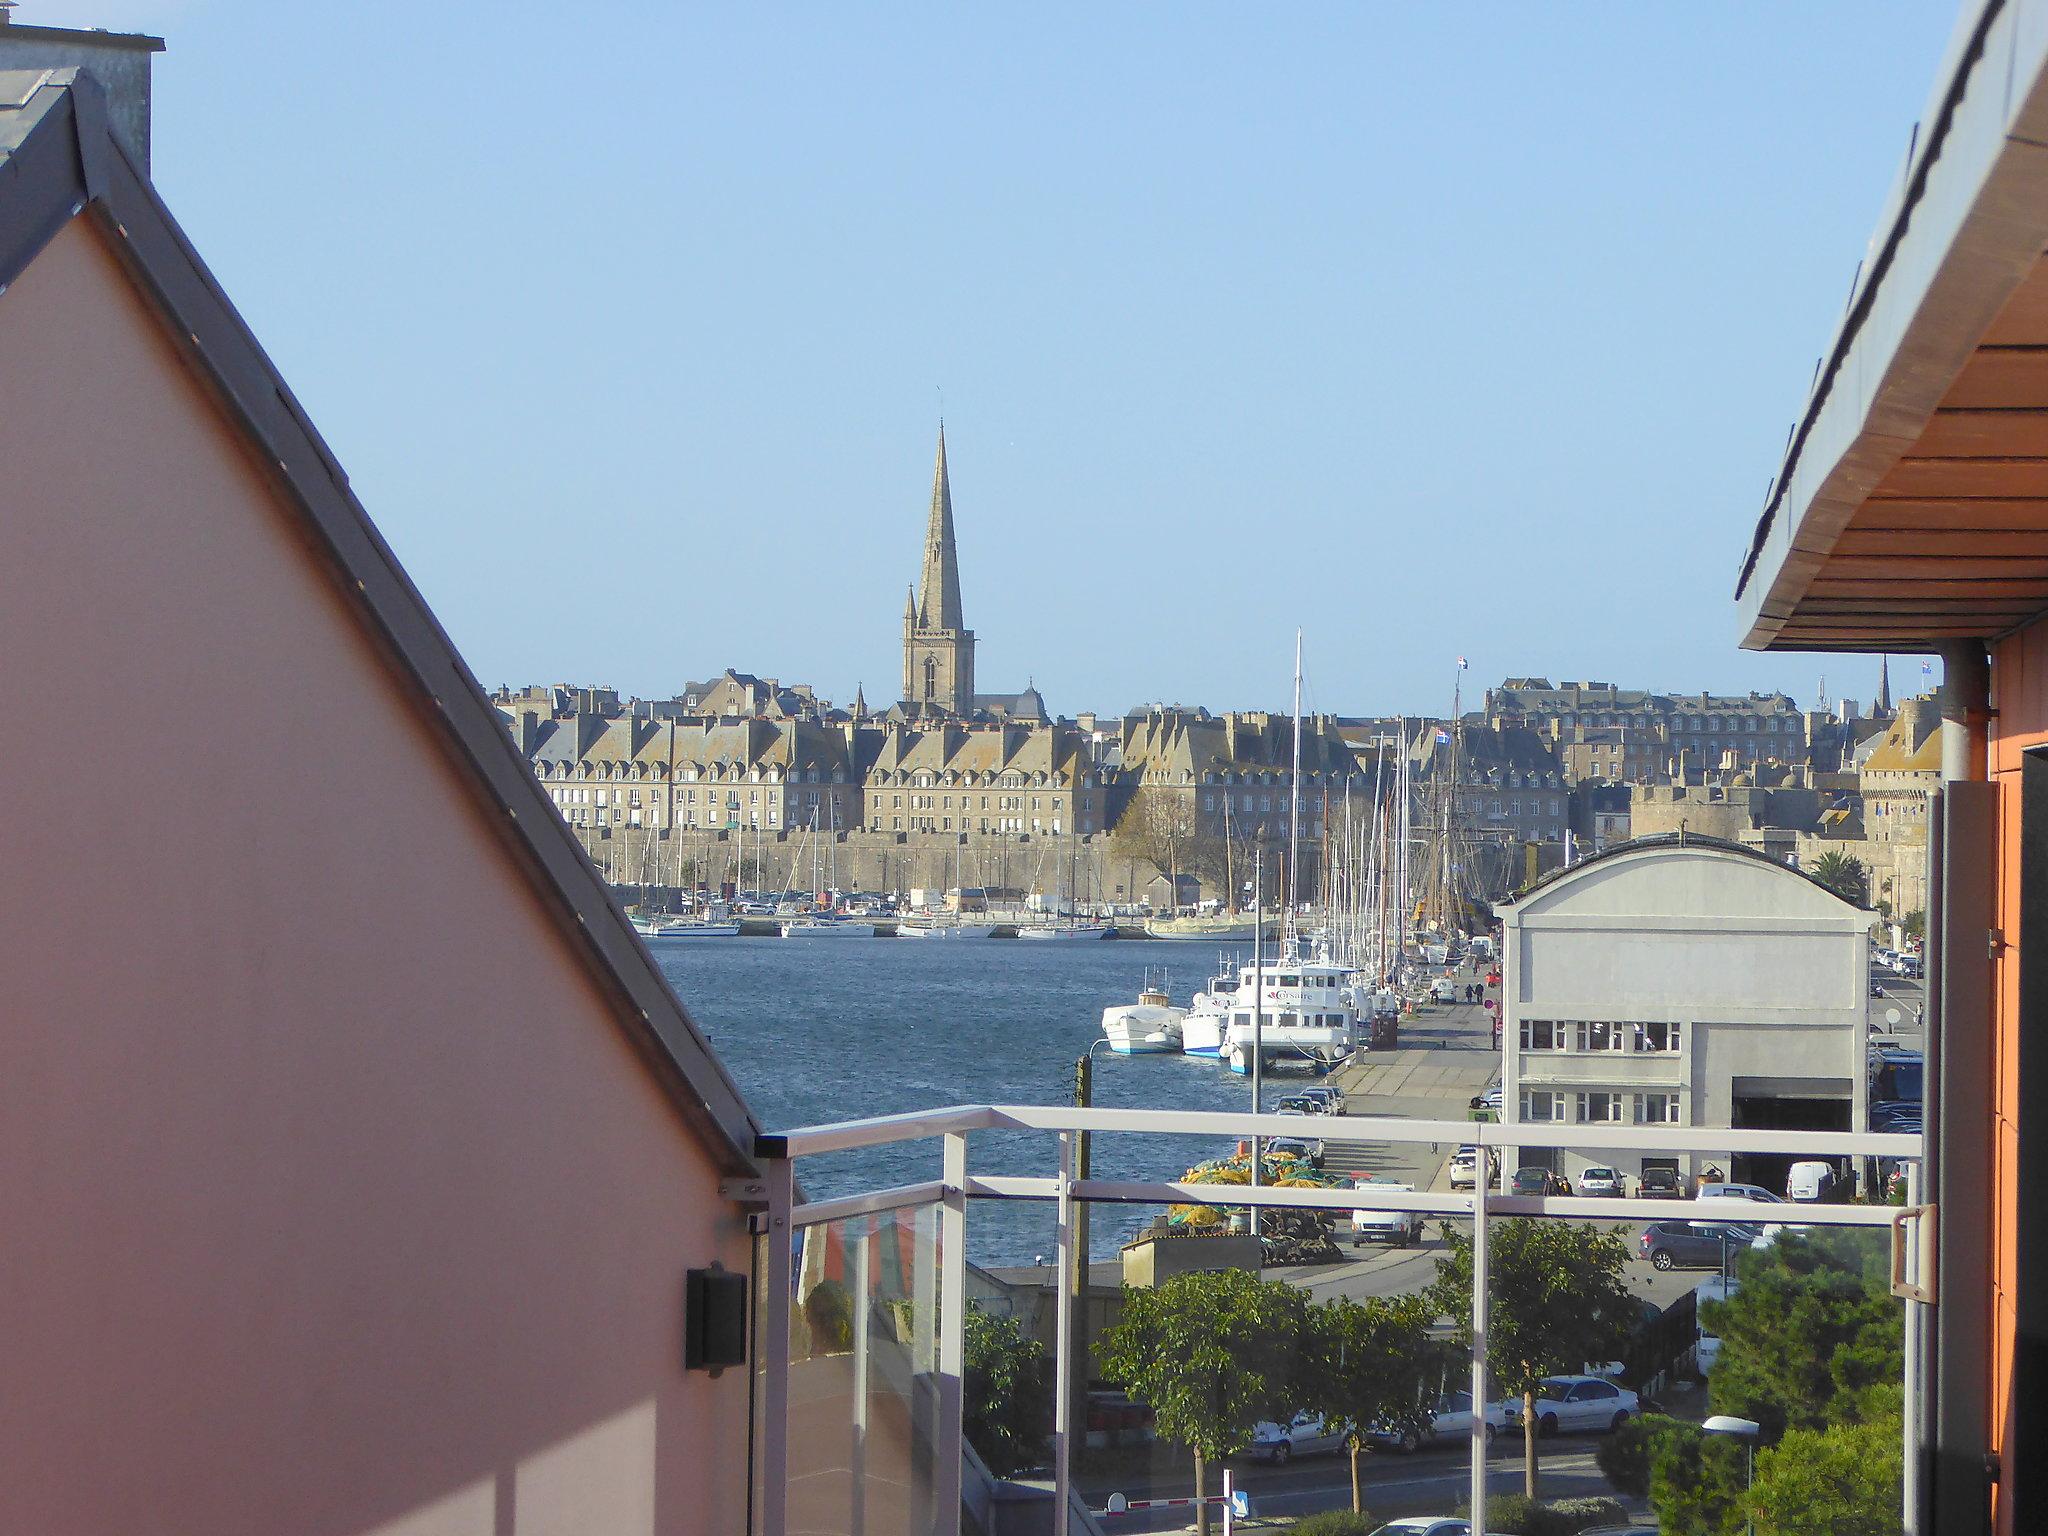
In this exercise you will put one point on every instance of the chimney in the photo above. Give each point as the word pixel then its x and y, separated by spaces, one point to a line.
pixel 119 61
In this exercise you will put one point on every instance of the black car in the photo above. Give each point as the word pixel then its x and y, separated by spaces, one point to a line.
pixel 1692 1244
pixel 1659 1184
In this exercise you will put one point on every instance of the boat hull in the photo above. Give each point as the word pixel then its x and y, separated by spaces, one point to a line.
pixel 945 931
pixel 1206 930
pixel 698 931
pixel 1143 1029
pixel 1050 934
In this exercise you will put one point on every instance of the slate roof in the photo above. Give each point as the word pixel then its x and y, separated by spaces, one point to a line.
pixel 60 160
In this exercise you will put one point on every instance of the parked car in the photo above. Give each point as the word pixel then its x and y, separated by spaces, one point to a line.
pixel 1692 1244
pixel 1307 1148
pixel 1306 1434
pixel 1451 1419
pixel 1602 1181
pixel 1425 1525
pixel 1659 1184
pixel 1397 1227
pixel 1328 1095
pixel 1463 1163
pixel 1756 1192
pixel 1566 1403
pixel 1297 1104
pixel 1539 1181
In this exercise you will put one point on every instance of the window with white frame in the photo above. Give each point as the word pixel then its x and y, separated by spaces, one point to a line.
pixel 1542 1035
pixel 1661 1038
pixel 1540 1104
pixel 1600 1037
pixel 1656 1109
pixel 1598 1108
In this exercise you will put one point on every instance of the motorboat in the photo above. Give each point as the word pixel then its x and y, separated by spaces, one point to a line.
pixel 1308 1015
pixel 1149 1027
pixel 927 928
pixel 694 928
pixel 1208 1016
pixel 826 928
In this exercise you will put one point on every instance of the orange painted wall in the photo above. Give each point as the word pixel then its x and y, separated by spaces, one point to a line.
pixel 334 1200
pixel 2019 682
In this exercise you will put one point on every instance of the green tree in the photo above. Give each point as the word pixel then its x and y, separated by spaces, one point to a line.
pixel 1558 1301
pixel 1842 1481
pixel 1367 1363
pixel 1843 875
pixel 1214 1354
pixel 1811 1330
pixel 1006 1402
pixel 1696 1481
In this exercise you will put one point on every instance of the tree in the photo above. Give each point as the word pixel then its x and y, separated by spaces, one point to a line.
pixel 1842 1481
pixel 1159 827
pixel 1214 1354
pixel 1367 1363
pixel 1843 875
pixel 1557 1301
pixel 1006 1403
pixel 1811 1331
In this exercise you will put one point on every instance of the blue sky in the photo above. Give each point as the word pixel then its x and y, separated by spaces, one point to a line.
pixel 1435 332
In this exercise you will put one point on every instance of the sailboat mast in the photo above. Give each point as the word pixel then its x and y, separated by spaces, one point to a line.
pixel 1294 799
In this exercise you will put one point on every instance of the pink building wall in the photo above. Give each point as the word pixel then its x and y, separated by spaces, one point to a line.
pixel 333 1198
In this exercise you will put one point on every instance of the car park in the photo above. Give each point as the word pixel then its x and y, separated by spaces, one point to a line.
pixel 1328 1095
pixel 1568 1403
pixel 1601 1180
pixel 1306 1434
pixel 1692 1244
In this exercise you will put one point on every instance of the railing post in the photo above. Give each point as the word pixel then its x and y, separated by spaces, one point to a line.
pixel 952 1337
pixel 778 1264
pixel 1915 1337
pixel 863 1336
pixel 1480 1182
pixel 1063 1341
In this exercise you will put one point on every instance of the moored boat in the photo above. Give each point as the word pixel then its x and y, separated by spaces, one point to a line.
pixel 1220 929
pixel 826 928
pixel 689 929
pixel 923 928
pixel 1063 931
pixel 1149 1027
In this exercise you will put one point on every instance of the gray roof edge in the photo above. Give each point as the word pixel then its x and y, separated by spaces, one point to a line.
pixel 59 172
pixel 1666 842
pixel 137 42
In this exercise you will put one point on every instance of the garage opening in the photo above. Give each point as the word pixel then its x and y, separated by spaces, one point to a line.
pixel 1787 1104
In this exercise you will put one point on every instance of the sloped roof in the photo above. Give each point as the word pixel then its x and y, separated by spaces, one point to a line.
pixel 59 160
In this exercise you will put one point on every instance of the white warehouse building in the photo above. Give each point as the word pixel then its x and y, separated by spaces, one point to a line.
pixel 1682 981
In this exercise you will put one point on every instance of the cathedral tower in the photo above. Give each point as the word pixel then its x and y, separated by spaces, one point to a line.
pixel 938 649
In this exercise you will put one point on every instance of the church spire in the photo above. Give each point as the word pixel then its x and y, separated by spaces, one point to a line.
pixel 1884 685
pixel 939 597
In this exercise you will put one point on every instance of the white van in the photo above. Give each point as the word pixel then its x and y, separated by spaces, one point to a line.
pixel 1810 1181
pixel 1444 990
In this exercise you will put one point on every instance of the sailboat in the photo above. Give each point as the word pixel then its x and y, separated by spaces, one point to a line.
pixel 1063 927
pixel 950 926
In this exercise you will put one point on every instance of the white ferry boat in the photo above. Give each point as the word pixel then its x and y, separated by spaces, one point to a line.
pixel 1149 1027
pixel 1309 1015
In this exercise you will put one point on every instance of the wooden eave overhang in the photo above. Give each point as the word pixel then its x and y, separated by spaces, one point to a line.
pixel 1912 505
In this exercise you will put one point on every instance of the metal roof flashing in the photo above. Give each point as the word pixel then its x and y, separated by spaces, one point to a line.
pixel 58 158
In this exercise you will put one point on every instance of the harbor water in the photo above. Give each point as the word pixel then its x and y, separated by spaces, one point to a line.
pixel 829 1029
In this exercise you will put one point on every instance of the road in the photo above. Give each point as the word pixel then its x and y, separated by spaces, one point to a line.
pixel 1432 1481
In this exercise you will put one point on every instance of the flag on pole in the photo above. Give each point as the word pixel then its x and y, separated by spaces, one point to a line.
pixel 1926 667
pixel 1461 664
pixel 1443 738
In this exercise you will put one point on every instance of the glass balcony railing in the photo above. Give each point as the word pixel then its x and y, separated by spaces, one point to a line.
pixel 866 1302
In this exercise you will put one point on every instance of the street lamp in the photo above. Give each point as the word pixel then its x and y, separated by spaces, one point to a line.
pixel 1745 1430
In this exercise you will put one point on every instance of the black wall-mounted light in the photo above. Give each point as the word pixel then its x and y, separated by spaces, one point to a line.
pixel 714 1319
